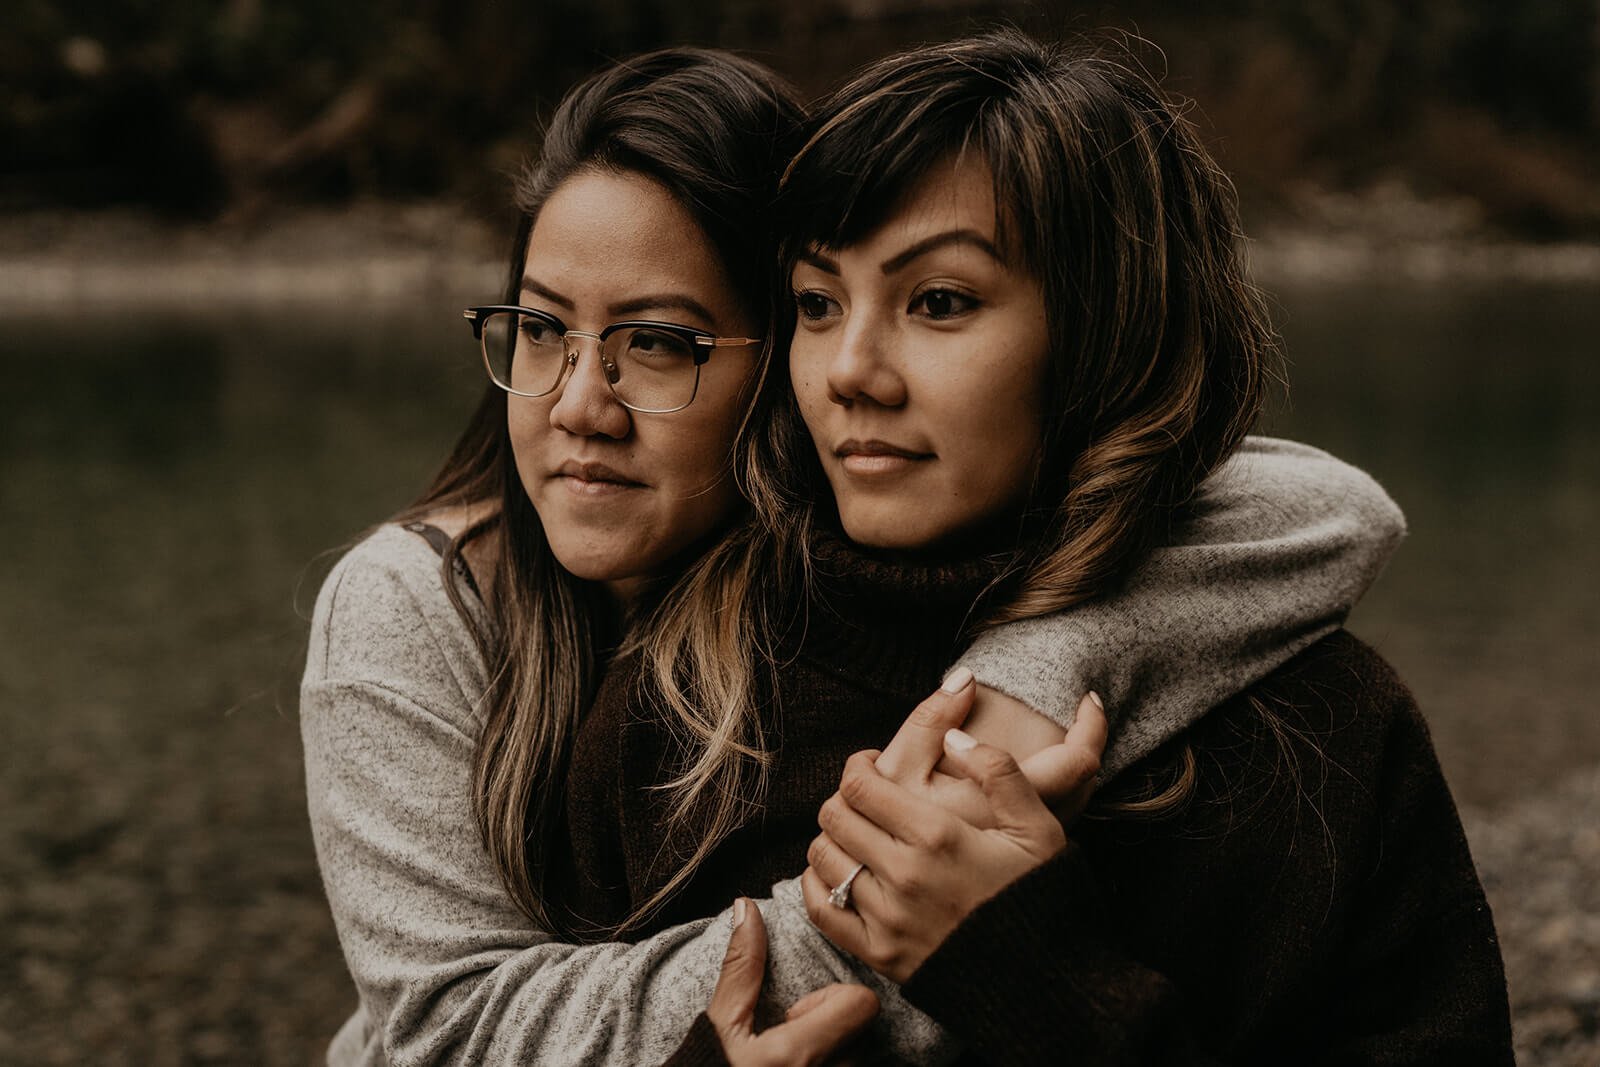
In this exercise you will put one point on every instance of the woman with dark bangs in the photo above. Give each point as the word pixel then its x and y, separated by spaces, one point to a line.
pixel 1023 338
pixel 455 651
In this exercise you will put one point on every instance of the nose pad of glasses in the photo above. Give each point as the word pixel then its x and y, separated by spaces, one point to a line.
pixel 613 372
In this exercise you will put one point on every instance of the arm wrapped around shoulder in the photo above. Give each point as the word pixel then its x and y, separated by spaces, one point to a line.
pixel 1279 545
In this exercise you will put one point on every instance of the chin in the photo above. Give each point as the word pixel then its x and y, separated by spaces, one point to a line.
pixel 599 563
pixel 896 530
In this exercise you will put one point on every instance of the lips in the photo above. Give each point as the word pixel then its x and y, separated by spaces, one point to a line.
pixel 874 460
pixel 595 474
pixel 852 447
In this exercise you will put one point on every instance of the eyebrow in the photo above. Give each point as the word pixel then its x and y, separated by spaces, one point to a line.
pixel 815 258
pixel 529 285
pixel 942 240
pixel 649 302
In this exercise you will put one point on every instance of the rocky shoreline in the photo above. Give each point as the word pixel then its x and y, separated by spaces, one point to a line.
pixel 1539 859
pixel 399 251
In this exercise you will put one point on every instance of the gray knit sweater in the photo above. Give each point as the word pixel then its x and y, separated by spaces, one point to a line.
pixel 447 970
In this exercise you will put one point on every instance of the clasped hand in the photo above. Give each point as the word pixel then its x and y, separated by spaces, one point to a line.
pixel 942 823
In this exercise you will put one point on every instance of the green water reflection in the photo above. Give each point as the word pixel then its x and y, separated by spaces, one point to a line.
pixel 173 487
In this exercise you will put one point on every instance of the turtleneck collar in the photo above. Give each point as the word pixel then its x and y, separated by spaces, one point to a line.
pixel 893 624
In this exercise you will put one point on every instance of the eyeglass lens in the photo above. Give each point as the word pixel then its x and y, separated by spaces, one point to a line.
pixel 649 368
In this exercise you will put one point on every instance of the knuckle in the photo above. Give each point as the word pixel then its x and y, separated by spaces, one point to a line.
pixel 736 961
pixel 996 763
pixel 930 713
pixel 859 762
pixel 895 873
pixel 941 837
pixel 853 787
pixel 912 882
pixel 828 814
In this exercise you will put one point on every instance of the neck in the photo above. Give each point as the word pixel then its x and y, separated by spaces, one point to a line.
pixel 893 622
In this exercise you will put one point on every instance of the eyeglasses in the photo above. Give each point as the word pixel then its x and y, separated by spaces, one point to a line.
pixel 651 367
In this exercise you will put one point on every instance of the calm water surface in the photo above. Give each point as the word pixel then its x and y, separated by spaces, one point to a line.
pixel 173 488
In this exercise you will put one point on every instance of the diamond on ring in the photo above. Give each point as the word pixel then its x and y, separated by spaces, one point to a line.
pixel 840 896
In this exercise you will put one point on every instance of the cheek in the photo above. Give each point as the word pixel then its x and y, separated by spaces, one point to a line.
pixel 698 450
pixel 525 425
pixel 1004 415
pixel 806 377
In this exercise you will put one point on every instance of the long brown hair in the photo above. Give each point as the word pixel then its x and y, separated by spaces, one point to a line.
pixel 1160 352
pixel 712 128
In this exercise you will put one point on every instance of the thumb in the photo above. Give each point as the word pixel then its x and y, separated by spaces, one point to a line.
pixel 733 1002
pixel 919 743
pixel 1018 810
pixel 826 1018
pixel 1058 771
pixel 856 998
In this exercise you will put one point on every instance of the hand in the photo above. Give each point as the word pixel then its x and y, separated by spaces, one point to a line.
pixel 815 1026
pixel 926 868
pixel 915 759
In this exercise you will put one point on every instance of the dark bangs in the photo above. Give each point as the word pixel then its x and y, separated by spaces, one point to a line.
pixel 874 139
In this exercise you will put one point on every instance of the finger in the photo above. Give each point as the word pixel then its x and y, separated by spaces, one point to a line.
pixel 814 998
pixel 1018 809
pixel 919 743
pixel 733 1002
pixel 833 863
pixel 843 926
pixel 1089 728
pixel 825 1019
pixel 1062 771
pixel 870 815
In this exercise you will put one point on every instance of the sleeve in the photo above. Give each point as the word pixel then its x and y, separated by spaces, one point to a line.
pixel 447 969
pixel 1035 971
pixel 701 1048
pixel 1413 973
pixel 1282 542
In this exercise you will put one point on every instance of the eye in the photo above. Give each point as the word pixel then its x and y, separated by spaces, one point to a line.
pixel 813 306
pixel 942 304
pixel 659 346
pixel 538 331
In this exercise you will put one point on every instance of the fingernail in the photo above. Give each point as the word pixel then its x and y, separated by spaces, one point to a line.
pixel 957 680
pixel 959 741
pixel 738 913
pixel 1097 701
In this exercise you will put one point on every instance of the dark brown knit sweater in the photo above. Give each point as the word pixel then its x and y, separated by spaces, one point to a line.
pixel 1314 902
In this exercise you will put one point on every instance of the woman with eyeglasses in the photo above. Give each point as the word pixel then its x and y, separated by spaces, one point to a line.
pixel 456 652
pixel 1022 341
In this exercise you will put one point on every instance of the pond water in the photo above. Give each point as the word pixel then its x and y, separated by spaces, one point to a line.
pixel 175 486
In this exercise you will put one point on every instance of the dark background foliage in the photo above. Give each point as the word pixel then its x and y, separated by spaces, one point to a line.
pixel 197 109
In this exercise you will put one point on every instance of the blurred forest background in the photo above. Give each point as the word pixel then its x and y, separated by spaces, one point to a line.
pixel 235 239
pixel 200 110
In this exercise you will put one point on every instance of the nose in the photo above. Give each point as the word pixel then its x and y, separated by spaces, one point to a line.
pixel 864 366
pixel 585 404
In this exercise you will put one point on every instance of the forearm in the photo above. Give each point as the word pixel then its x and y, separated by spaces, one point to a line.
pixel 448 968
pixel 1282 542
pixel 451 972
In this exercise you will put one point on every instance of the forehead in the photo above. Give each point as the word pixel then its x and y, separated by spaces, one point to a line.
pixel 607 237
pixel 956 191
pixel 955 194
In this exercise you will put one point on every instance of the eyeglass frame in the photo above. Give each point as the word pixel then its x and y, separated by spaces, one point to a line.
pixel 701 341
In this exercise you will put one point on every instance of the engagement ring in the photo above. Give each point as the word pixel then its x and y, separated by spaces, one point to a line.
pixel 840 896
